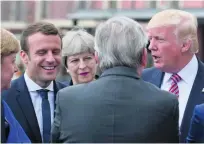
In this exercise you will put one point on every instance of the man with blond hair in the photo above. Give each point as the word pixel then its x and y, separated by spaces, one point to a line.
pixel 11 130
pixel 173 45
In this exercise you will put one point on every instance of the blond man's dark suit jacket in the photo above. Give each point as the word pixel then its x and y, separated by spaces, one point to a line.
pixel 155 76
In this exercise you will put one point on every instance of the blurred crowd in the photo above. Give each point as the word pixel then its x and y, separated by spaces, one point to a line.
pixel 107 95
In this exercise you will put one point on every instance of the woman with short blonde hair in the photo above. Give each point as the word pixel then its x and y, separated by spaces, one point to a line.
pixel 11 130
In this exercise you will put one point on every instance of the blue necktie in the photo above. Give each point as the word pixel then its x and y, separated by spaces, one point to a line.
pixel 46 114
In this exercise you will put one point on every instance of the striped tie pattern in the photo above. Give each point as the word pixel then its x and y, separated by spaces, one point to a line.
pixel 175 78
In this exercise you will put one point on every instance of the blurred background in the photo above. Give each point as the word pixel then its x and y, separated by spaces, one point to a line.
pixel 16 15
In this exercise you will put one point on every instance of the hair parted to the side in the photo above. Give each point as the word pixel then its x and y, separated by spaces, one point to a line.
pixel 120 42
pixel 77 41
pixel 185 25
pixel 9 43
pixel 43 27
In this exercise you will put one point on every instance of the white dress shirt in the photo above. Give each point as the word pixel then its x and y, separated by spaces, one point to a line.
pixel 37 100
pixel 187 74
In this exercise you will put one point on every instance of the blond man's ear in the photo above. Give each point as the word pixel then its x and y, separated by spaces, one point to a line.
pixel 186 45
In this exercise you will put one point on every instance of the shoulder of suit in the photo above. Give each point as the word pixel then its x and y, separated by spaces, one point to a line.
pixel 60 84
pixel 74 88
pixel 14 82
pixel 199 111
pixel 149 70
pixel 157 92
pixel 200 107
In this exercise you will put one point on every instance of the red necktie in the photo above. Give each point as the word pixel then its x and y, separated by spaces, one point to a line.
pixel 175 78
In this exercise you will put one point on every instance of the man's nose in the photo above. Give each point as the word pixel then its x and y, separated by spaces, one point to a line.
pixel 50 57
pixel 152 45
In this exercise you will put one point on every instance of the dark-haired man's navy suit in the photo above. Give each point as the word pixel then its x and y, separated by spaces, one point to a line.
pixel 19 100
pixel 155 76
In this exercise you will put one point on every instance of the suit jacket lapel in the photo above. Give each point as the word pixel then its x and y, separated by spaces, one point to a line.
pixel 157 78
pixel 27 108
pixel 57 87
pixel 196 97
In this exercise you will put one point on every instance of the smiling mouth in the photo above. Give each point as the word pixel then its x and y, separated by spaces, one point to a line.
pixel 48 67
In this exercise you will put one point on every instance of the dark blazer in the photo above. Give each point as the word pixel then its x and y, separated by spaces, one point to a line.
pixel 19 100
pixel 196 132
pixel 15 133
pixel 118 107
pixel 155 76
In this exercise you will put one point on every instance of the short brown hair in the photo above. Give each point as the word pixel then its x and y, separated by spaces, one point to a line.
pixel 43 27
pixel 9 43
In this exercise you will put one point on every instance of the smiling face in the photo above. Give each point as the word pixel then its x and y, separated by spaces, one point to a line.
pixel 8 68
pixel 82 67
pixel 165 49
pixel 44 57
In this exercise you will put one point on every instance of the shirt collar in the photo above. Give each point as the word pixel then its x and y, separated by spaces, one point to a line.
pixel 184 73
pixel 32 86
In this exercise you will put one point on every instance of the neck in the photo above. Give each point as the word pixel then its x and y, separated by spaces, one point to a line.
pixel 74 82
pixel 139 70
pixel 43 84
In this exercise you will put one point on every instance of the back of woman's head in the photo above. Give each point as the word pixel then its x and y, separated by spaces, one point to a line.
pixel 9 43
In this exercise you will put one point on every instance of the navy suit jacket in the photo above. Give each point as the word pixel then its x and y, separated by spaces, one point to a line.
pixel 19 100
pixel 196 133
pixel 155 76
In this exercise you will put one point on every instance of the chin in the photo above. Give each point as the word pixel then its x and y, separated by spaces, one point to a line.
pixel 50 78
pixel 86 81
pixel 159 66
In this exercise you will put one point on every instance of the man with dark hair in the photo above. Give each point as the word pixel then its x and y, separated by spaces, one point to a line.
pixel 32 96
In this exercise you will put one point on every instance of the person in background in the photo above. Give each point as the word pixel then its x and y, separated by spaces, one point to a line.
pixel 119 107
pixel 196 132
pixel 173 45
pixel 32 96
pixel 78 56
pixel 11 130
